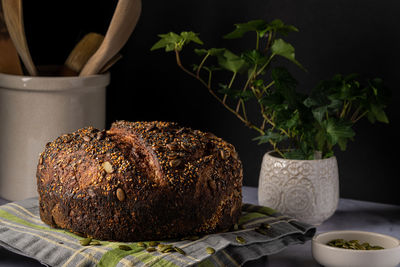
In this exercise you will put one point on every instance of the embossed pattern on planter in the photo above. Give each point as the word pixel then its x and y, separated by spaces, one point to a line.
pixel 304 189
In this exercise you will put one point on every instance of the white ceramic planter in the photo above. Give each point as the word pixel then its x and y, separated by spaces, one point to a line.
pixel 34 111
pixel 307 190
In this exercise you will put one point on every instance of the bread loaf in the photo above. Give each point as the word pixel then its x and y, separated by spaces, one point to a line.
pixel 140 181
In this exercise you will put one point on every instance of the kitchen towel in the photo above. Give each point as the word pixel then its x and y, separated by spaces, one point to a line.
pixel 22 232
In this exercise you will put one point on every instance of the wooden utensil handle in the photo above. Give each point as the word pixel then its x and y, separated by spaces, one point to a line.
pixel 122 24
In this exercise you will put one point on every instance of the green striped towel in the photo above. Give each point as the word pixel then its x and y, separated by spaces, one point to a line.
pixel 22 232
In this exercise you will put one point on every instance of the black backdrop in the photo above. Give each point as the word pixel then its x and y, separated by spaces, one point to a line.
pixel 336 36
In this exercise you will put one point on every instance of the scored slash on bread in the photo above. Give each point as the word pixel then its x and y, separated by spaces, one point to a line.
pixel 140 181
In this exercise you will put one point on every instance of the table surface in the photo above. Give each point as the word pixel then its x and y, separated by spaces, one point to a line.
pixel 350 215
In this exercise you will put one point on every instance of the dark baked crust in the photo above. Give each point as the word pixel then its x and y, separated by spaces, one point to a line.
pixel 171 182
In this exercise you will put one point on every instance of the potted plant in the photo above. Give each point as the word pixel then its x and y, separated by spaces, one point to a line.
pixel 299 176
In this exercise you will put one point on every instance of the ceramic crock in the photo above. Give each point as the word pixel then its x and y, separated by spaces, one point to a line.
pixel 36 110
pixel 307 190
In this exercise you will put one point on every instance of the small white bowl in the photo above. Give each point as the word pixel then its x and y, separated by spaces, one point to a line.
pixel 339 257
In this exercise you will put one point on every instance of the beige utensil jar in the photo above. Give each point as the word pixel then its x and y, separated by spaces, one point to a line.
pixel 36 110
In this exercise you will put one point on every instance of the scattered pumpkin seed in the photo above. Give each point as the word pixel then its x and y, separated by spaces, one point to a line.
pixel 95 243
pixel 240 240
pixel 165 248
pixel 179 250
pixel 153 243
pixel 85 241
pixel 236 227
pixel 141 244
pixel 352 244
pixel 265 226
pixel 160 246
pixel 261 231
pixel 124 247
pixel 151 249
pixel 210 250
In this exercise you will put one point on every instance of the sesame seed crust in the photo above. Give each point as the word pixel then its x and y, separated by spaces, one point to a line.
pixel 140 181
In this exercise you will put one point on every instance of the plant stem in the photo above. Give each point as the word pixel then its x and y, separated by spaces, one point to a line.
pixel 233 78
pixel 209 78
pixel 346 107
pixel 244 109
pixel 268 42
pixel 258 41
pixel 201 65
pixel 359 117
pixel 268 86
pixel 265 65
pixel 276 149
pixel 178 61
pixel 263 124
pixel 245 121
pixel 246 85
pixel 224 99
pixel 354 116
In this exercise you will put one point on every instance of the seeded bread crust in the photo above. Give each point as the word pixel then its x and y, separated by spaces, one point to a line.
pixel 140 181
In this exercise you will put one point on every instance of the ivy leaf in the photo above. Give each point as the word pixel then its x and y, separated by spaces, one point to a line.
pixel 342 142
pixel 258 83
pixel 320 138
pixel 242 28
pixel 191 37
pixel 201 51
pixel 286 50
pixel 271 100
pixel 226 59
pixel 230 61
pixel 319 113
pixel 285 84
pixel 295 154
pixel 261 27
pixel 167 41
pixel 270 135
pixel 171 41
pixel 378 113
pixel 211 51
pixel 293 121
pixel 254 57
pixel 280 27
pixel 338 129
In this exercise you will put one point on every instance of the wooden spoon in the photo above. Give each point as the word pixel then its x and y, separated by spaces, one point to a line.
pixel 81 53
pixel 123 22
pixel 15 24
pixel 9 60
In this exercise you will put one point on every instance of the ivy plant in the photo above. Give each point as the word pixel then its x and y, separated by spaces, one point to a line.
pixel 297 125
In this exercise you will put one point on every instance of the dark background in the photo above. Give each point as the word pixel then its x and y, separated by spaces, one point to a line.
pixel 340 36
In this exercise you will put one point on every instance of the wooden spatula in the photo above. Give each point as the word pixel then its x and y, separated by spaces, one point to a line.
pixel 9 60
pixel 123 22
pixel 13 16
